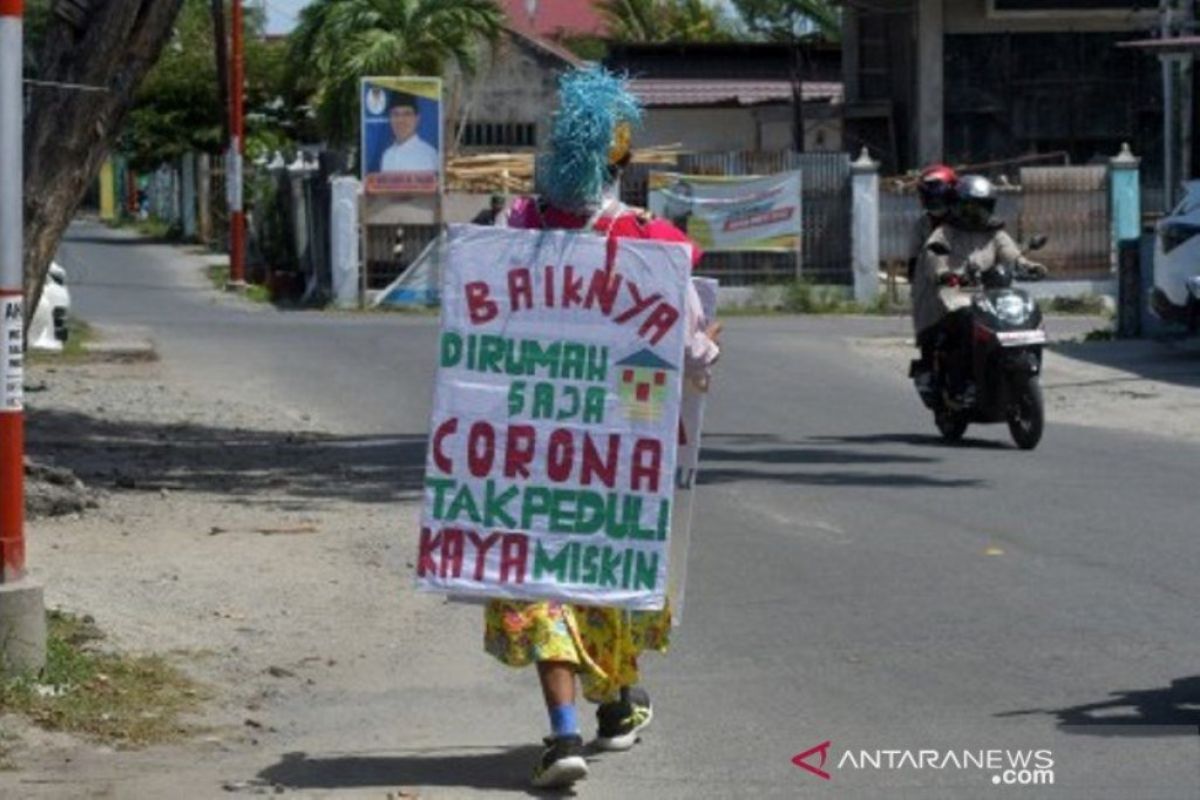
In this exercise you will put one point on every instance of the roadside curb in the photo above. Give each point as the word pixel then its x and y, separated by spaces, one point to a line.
pixel 121 343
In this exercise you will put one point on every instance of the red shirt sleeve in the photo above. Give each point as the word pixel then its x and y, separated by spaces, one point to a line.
pixel 659 230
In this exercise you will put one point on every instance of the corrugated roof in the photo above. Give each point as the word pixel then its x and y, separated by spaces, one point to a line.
pixel 673 92
pixel 555 17
pixel 545 45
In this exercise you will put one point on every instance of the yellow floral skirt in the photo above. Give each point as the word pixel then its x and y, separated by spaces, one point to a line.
pixel 602 643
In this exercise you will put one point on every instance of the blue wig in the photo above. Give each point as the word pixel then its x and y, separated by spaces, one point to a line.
pixel 575 171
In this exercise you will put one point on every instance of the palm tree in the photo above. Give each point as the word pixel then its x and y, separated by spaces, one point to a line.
pixel 339 41
pixel 788 20
pixel 665 20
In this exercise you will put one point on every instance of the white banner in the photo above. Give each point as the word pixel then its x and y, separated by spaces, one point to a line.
pixel 552 453
pixel 731 212
pixel 12 354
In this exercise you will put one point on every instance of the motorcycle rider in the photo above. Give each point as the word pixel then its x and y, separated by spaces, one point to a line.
pixel 935 188
pixel 969 242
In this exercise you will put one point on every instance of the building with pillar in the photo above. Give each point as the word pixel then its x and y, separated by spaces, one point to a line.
pixel 980 81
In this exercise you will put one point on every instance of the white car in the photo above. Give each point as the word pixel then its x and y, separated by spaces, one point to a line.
pixel 48 328
pixel 1176 296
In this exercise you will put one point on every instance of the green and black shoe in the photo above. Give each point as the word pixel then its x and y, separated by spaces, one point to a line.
pixel 621 721
pixel 561 764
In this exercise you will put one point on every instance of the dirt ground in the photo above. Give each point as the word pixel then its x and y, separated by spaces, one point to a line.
pixel 246 545
pixel 242 543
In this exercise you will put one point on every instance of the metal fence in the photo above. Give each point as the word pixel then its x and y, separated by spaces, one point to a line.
pixel 391 248
pixel 825 210
pixel 1070 205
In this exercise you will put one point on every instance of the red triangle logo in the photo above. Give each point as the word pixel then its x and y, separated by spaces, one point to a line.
pixel 801 760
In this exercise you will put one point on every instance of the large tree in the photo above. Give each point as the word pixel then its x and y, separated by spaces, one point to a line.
pixel 179 106
pixel 340 41
pixel 106 46
pixel 666 20
pixel 788 20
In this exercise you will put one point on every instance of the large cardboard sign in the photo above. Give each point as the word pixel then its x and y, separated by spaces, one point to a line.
pixel 401 135
pixel 552 454
pixel 687 470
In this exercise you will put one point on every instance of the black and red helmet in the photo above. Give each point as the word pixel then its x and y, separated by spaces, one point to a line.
pixel 937 188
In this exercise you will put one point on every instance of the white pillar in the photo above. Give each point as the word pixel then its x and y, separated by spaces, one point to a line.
pixel 344 240
pixel 864 222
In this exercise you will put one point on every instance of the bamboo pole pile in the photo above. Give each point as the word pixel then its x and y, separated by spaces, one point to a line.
pixel 512 173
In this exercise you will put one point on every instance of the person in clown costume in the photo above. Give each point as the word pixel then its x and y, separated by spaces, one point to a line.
pixel 577 189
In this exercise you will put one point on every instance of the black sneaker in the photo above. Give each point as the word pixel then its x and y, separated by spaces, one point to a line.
pixel 622 720
pixel 562 763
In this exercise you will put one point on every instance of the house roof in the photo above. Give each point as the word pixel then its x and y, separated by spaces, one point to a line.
pixel 646 358
pixel 545 45
pixel 671 92
pixel 555 17
pixel 746 61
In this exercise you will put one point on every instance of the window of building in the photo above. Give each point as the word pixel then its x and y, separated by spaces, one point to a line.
pixel 499 134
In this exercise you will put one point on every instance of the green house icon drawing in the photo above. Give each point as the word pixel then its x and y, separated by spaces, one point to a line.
pixel 642 385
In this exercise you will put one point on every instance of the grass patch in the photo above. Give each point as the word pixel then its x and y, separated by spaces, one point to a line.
pixel 802 297
pixel 218 275
pixel 1100 335
pixel 1085 305
pixel 120 700
pixel 152 227
pixel 79 333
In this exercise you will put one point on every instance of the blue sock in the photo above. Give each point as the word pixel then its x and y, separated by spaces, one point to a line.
pixel 563 721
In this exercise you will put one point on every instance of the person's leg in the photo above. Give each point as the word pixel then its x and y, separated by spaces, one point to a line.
pixel 562 761
pixel 558 690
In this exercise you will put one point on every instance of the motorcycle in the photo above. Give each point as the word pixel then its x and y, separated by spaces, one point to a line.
pixel 1006 340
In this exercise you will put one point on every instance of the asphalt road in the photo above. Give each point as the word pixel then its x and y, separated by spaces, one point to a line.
pixel 851 579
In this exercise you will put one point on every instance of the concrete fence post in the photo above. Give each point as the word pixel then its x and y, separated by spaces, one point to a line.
pixel 344 240
pixel 188 196
pixel 864 224
pixel 108 191
pixel 204 227
pixel 1126 196
pixel 1126 209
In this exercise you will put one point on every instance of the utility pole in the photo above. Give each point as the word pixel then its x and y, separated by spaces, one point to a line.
pixel 22 610
pixel 237 150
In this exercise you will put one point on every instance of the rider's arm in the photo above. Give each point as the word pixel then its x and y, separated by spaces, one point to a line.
pixel 1007 252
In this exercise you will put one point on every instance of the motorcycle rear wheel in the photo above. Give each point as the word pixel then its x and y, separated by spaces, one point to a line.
pixel 951 424
pixel 1026 419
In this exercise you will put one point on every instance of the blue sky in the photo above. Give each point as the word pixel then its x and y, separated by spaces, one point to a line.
pixel 281 14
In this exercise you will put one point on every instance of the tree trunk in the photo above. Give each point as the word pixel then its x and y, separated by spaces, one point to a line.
pixel 109 44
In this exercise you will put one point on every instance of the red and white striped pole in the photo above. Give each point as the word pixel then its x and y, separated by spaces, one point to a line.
pixel 237 150
pixel 12 297
pixel 22 607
